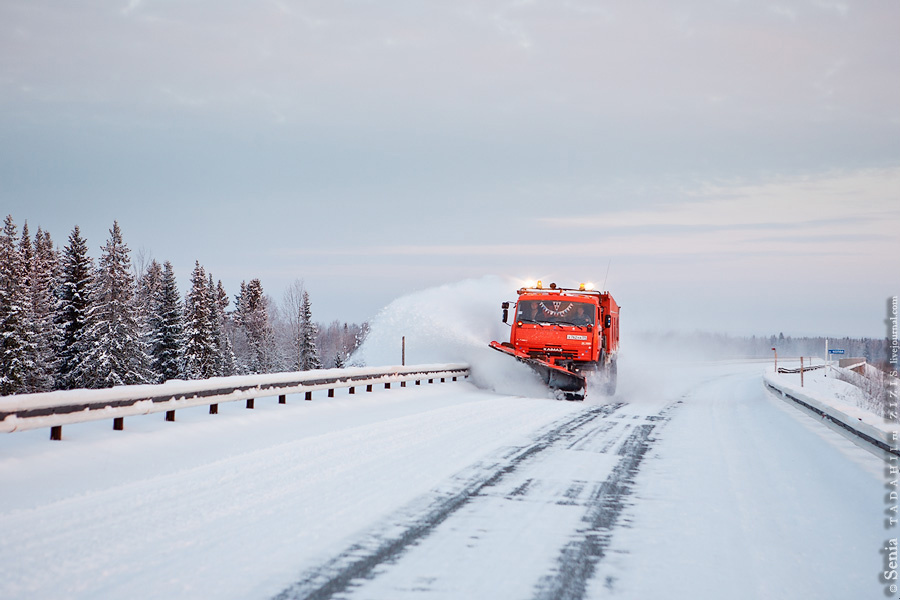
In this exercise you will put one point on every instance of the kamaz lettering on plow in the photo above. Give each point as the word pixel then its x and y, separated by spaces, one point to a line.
pixel 565 334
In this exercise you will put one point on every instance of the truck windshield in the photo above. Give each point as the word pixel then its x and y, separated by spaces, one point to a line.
pixel 555 311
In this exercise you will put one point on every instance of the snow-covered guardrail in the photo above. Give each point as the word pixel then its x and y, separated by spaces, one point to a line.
pixel 800 369
pixel 862 424
pixel 55 409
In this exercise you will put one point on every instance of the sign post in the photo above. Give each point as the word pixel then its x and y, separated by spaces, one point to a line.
pixel 830 352
pixel 801 371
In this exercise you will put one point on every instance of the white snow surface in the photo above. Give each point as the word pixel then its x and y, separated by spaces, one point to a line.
pixel 738 495
pixel 843 401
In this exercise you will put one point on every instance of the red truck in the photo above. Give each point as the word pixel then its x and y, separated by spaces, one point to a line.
pixel 564 334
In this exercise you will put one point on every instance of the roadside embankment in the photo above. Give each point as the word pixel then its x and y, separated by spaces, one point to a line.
pixel 839 402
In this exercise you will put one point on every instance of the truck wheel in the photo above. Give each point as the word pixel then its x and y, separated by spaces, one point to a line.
pixel 611 372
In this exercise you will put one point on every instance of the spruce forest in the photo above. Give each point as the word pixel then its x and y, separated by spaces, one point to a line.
pixel 68 321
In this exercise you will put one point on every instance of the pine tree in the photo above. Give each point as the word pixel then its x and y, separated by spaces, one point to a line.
pixel 309 353
pixel 200 348
pixel 218 303
pixel 215 324
pixel 26 255
pixel 148 284
pixel 43 271
pixel 111 350
pixel 166 323
pixel 226 348
pixel 252 317
pixel 30 331
pixel 74 300
pixel 14 347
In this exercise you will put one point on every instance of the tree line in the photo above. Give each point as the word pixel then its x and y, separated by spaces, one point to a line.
pixel 720 345
pixel 67 322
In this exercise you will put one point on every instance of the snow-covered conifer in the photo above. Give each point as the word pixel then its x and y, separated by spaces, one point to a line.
pixel 43 269
pixel 218 303
pixel 111 350
pixel 14 344
pixel 200 352
pixel 74 300
pixel 166 324
pixel 26 255
pixel 228 362
pixel 215 323
pixel 29 330
pixel 148 284
pixel 309 353
pixel 252 316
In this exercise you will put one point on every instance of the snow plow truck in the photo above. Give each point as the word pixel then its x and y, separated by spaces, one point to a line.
pixel 564 335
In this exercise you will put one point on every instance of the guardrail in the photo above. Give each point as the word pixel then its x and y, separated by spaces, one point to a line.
pixel 799 369
pixel 865 431
pixel 55 409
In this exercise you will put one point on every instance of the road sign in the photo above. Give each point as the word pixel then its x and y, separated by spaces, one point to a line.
pixel 836 351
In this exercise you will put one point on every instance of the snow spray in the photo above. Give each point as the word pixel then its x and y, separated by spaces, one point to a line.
pixel 453 322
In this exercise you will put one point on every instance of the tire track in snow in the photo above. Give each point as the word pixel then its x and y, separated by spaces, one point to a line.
pixel 417 521
pixel 578 560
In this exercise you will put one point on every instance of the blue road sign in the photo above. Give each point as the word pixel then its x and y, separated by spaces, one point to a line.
pixel 836 351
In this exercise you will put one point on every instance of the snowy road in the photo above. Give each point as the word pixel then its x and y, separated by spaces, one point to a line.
pixel 690 483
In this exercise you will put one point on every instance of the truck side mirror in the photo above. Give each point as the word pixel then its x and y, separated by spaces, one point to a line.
pixel 608 321
pixel 505 307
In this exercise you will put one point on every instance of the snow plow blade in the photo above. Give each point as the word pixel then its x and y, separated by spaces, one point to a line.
pixel 555 377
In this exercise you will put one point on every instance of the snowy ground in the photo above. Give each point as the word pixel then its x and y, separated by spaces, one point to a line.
pixel 693 481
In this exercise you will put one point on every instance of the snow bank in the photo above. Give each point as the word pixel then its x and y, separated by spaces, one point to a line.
pixel 452 323
pixel 838 401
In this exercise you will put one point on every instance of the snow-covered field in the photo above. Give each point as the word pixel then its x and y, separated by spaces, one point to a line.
pixel 692 482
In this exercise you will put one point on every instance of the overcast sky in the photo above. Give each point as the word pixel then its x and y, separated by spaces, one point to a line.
pixel 735 164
